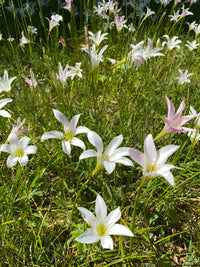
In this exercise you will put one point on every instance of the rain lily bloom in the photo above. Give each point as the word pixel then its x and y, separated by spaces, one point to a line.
pixel 120 22
pixel 110 156
pixel 63 74
pixel 192 45
pixel 175 16
pixel 70 131
pixel 149 13
pixel 184 77
pixel 97 38
pixel 153 161
pixel 174 121
pixel 68 5
pixel 23 40
pixel 75 71
pixel 172 43
pixel 185 12
pixel 55 19
pixel 194 136
pixel 5 83
pixel 32 29
pixel 149 51
pixel 3 112
pixel 31 82
pixel 18 150
pixel 103 225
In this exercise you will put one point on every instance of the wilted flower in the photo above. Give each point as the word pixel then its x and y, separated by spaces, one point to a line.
pixel 5 83
pixel 184 77
pixel 18 150
pixel 153 161
pixel 16 127
pixel 31 82
pixel 70 131
pixel 110 156
pixel 102 225
pixel 3 112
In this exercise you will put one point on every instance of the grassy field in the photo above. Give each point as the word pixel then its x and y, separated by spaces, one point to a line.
pixel 124 85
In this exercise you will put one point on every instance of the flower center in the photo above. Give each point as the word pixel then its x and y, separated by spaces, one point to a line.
pixel 102 229
pixel 18 152
pixel 151 167
pixel 68 135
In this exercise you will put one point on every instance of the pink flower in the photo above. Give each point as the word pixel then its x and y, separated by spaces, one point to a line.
pixel 31 82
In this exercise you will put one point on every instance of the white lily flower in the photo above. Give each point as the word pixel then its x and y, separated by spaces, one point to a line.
pixel 153 161
pixel 192 45
pixel 5 83
pixel 194 136
pixel 172 43
pixel 184 77
pixel 110 156
pixel 18 150
pixel 3 112
pixel 149 51
pixel 55 19
pixel 97 38
pixel 63 74
pixel 75 71
pixel 102 225
pixel 70 131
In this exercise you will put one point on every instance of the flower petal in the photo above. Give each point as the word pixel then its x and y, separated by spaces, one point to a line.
pixel 149 148
pixel 124 161
pixel 88 154
pixel 52 134
pixel 11 161
pixel 95 140
pixel 77 142
pixel 81 129
pixel 170 107
pixel 137 156
pixel 113 145
pixel 165 152
pixel 66 147
pixel 88 237
pixel 4 101
pixel 107 242
pixel 100 208
pixel 88 216
pixel 5 113
pixel 109 166
pixel 73 123
pixel 31 150
pixel 61 118
pixel 23 160
pixel 119 229
pixel 114 216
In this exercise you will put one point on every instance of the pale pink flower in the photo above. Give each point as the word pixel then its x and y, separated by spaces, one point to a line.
pixel 31 82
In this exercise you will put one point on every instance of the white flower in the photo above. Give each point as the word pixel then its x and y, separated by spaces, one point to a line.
pixel 102 225
pixel 18 150
pixel 192 45
pixel 3 112
pixel 149 51
pixel 136 55
pixel 120 22
pixel 70 130
pixel 75 71
pixel 197 120
pixel 32 29
pixel 97 38
pixel 175 16
pixel 184 77
pixel 110 156
pixel 153 161
pixel 63 74
pixel 5 82
pixel 23 40
pixel 194 136
pixel 185 12
pixel 149 13
pixel 55 19
pixel 172 43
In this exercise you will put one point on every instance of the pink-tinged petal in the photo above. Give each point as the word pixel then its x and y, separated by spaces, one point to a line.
pixel 5 113
pixel 107 242
pixel 169 177
pixel 61 118
pixel 88 154
pixel 124 161
pixel 77 142
pixel 109 166
pixel 74 122
pixel 165 152
pixel 88 216
pixel 52 134
pixel 81 129
pixel 119 229
pixel 181 108
pixel 88 237
pixel 185 129
pixel 23 160
pixel 113 145
pixel 100 208
pixel 95 140
pixel 185 119
pixel 11 161
pixel 114 216
pixel 137 156
pixel 170 107
pixel 31 150
pixel 149 148
pixel 66 147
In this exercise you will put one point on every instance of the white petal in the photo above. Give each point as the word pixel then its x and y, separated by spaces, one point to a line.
pixel 66 147
pixel 77 142
pixel 95 140
pixel 5 113
pixel 88 237
pixel 23 161
pixel 100 208
pixel 114 216
pixel 4 101
pixel 5 148
pixel 88 154
pixel 169 177
pixel 149 148
pixel 120 152
pixel 137 156
pixel 125 161
pixel 107 242
pixel 31 149
pixel 165 152
pixel 88 216
pixel 81 129
pixel 52 134
pixel 11 161
pixel 73 122
pixel 109 166
pixel 113 145
pixel 119 229
pixel 13 139
pixel 61 117
pixel 24 141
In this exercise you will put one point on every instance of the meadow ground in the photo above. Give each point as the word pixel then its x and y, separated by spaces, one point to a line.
pixel 132 72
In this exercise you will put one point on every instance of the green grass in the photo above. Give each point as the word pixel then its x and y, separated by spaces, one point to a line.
pixel 39 219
